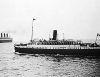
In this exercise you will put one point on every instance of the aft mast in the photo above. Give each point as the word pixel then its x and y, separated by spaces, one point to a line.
pixel 32 31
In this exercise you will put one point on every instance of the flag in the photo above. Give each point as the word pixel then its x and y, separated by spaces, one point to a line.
pixel 98 34
pixel 34 19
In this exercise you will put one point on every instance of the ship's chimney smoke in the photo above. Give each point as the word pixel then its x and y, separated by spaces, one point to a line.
pixel 54 35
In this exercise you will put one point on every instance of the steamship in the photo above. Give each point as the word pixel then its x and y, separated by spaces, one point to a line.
pixel 55 46
pixel 4 38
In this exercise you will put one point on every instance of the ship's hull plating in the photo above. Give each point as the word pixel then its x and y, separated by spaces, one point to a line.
pixel 79 52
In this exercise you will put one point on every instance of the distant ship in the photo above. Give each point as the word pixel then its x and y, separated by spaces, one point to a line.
pixel 4 38
pixel 55 46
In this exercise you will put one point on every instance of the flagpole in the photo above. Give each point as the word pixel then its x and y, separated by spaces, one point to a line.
pixel 32 30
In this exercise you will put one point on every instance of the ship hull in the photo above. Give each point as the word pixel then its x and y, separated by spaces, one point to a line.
pixel 5 40
pixel 78 52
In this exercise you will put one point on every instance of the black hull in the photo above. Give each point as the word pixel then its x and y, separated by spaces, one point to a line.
pixel 5 41
pixel 78 52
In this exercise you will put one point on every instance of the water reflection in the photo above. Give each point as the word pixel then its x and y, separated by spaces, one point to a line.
pixel 60 66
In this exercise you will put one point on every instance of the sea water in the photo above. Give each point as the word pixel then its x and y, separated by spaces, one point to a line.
pixel 35 65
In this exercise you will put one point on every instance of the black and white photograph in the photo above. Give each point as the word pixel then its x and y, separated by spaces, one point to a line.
pixel 49 38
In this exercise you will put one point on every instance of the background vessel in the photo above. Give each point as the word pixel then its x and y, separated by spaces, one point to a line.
pixel 4 38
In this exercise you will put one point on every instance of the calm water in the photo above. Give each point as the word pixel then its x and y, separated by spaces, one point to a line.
pixel 17 65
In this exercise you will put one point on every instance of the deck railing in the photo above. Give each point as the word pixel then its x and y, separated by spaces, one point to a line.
pixel 57 47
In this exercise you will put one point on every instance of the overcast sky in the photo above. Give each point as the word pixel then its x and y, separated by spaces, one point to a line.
pixel 77 19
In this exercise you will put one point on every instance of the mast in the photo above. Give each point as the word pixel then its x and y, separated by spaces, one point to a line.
pixel 63 36
pixel 32 30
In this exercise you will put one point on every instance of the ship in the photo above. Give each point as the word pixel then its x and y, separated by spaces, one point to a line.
pixel 5 38
pixel 55 46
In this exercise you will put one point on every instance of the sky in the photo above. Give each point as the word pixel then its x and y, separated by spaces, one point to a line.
pixel 77 19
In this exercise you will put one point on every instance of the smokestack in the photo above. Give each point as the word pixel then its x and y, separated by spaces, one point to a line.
pixel 7 34
pixel 54 35
pixel 1 35
pixel 4 34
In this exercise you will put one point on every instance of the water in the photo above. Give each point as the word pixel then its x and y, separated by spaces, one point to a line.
pixel 17 65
